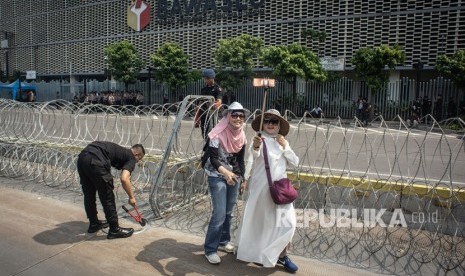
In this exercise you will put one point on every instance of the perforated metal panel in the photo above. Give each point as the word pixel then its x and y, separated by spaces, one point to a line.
pixel 50 36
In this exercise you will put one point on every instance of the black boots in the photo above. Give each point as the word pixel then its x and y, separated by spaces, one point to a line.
pixel 119 232
pixel 114 233
pixel 95 226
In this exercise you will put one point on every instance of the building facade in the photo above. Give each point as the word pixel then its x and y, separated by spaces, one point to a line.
pixel 57 38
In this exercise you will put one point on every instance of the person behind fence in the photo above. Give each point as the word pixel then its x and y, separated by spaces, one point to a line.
pixel 225 170
pixel 451 108
pixel 211 88
pixel 94 167
pixel 359 108
pixel 376 112
pixel 267 229
pixel 461 110
pixel 438 108
pixel 366 108
pixel 316 112
pixel 414 120
pixel 416 106
pixel 426 106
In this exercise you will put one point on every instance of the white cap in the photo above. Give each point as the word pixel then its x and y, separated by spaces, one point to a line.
pixel 233 107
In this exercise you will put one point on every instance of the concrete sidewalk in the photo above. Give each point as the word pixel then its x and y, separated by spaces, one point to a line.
pixel 45 236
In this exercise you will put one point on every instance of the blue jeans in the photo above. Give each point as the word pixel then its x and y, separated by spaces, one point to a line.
pixel 224 197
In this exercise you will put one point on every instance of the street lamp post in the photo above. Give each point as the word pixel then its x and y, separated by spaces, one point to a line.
pixel 4 44
pixel 107 72
pixel 442 41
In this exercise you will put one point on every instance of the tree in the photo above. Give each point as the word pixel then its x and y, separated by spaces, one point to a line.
pixel 172 66
pixel 453 67
pixel 235 57
pixel 292 61
pixel 370 64
pixel 124 62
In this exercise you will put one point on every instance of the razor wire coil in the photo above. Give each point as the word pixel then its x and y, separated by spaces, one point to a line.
pixel 343 166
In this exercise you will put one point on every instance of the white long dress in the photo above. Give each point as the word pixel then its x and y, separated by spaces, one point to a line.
pixel 266 228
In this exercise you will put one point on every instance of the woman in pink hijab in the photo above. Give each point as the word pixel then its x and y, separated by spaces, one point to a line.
pixel 225 169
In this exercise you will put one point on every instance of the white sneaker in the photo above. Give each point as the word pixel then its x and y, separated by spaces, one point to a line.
pixel 229 247
pixel 213 258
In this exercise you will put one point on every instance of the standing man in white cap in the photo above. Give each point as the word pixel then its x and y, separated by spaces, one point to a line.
pixel 211 88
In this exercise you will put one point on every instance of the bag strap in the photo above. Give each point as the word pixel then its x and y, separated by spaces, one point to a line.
pixel 267 165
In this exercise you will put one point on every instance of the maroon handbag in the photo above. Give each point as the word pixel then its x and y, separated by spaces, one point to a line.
pixel 282 191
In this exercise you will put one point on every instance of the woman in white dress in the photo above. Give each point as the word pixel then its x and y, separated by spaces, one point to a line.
pixel 267 228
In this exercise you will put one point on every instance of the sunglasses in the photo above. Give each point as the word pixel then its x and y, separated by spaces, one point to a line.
pixel 237 115
pixel 271 121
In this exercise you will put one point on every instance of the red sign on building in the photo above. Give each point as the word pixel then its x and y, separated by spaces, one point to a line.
pixel 138 15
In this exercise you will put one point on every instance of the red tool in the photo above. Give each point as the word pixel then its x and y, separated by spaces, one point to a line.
pixel 137 216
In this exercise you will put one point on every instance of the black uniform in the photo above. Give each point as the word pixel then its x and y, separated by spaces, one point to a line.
pixel 217 93
pixel 94 168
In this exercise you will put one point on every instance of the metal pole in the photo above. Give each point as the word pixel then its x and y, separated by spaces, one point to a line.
pixel 157 208
pixel 107 73
pixel 150 83
pixel 263 111
pixel 7 63
pixel 419 67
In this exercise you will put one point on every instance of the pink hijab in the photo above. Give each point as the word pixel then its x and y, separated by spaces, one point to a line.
pixel 231 139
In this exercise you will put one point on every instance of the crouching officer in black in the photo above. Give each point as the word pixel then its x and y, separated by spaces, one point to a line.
pixel 94 168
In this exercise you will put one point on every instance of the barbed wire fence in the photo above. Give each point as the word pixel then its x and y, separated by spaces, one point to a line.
pixel 411 181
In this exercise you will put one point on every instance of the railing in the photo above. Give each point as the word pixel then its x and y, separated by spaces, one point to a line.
pixel 337 98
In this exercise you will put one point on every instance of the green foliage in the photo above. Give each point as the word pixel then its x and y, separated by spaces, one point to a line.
pixel 456 127
pixel 172 65
pixel 196 75
pixel 313 34
pixel 291 61
pixel 231 79
pixel 370 64
pixel 235 57
pixel 124 62
pixel 333 76
pixel 453 67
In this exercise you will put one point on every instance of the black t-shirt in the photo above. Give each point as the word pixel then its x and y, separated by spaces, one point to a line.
pixel 214 91
pixel 117 156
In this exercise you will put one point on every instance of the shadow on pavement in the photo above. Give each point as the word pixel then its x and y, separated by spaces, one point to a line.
pixel 67 233
pixel 170 257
